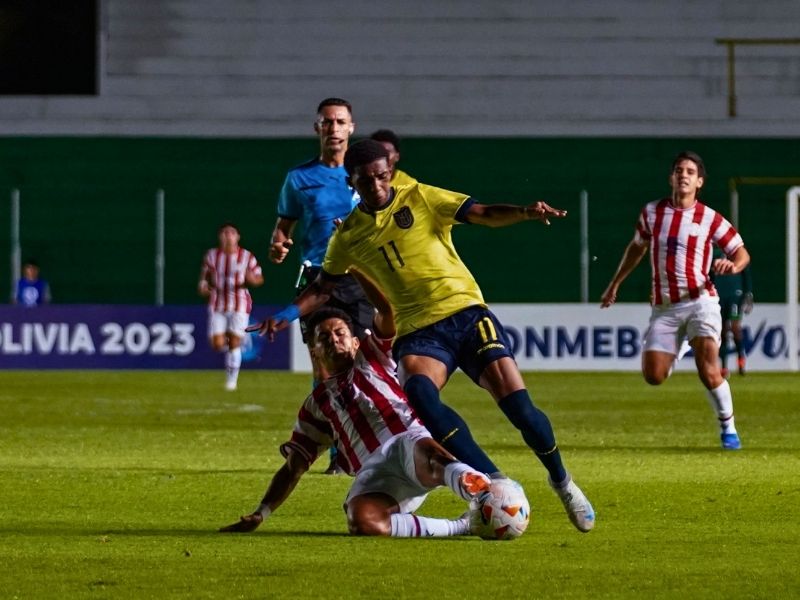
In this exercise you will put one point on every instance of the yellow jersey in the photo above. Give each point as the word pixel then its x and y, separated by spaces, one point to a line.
pixel 401 178
pixel 406 248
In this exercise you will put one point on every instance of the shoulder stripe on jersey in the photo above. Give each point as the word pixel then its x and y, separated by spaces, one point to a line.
pixel 726 239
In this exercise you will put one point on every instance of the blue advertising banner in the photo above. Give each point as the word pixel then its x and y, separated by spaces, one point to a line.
pixel 123 337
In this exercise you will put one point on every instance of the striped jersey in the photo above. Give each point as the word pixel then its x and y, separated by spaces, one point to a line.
pixel 225 275
pixel 358 410
pixel 681 242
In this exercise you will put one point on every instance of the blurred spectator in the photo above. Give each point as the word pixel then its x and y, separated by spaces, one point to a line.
pixel 735 300
pixel 31 289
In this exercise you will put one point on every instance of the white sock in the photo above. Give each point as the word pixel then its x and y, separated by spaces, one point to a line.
pixel 233 361
pixel 408 525
pixel 721 401
pixel 452 478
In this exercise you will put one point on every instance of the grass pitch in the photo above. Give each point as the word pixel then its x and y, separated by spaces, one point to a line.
pixel 114 484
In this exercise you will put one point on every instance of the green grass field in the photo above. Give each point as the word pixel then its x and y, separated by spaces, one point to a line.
pixel 114 484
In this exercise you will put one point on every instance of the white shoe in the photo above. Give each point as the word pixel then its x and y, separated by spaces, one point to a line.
pixel 230 386
pixel 577 505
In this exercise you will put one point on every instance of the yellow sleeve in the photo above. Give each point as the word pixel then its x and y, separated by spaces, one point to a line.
pixel 443 203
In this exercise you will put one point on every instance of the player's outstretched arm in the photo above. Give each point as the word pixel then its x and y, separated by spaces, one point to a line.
pixel 633 254
pixel 280 488
pixel 500 215
pixel 314 296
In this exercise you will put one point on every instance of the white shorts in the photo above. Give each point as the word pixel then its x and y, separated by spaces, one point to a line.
pixel 220 323
pixel 390 470
pixel 671 325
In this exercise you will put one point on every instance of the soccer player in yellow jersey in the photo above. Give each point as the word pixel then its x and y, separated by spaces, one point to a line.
pixel 400 238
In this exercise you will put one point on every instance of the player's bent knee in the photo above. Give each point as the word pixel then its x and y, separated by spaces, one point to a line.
pixel 370 514
pixel 655 378
pixel 361 526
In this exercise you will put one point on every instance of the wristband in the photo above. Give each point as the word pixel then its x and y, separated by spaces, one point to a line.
pixel 289 314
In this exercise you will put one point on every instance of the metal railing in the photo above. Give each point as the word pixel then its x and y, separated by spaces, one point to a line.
pixel 731 44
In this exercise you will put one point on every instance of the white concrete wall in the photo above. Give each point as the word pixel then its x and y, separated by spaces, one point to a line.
pixel 428 67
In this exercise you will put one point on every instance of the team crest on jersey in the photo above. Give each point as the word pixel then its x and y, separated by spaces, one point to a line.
pixel 404 218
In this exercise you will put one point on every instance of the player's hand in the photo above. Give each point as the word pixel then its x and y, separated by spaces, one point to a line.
pixel 269 327
pixel 253 278
pixel 747 303
pixel 246 524
pixel 609 296
pixel 723 266
pixel 279 250
pixel 541 211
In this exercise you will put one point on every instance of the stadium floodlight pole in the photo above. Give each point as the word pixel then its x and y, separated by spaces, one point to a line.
pixel 584 246
pixel 16 247
pixel 792 227
pixel 160 259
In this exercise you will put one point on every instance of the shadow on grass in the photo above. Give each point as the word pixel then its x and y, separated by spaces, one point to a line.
pixel 711 449
pixel 195 533
pixel 105 535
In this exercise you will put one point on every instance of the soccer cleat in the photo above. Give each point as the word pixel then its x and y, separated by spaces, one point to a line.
pixel 730 441
pixel 246 524
pixel 334 469
pixel 230 386
pixel 473 483
pixel 578 507
pixel 741 363
pixel 725 373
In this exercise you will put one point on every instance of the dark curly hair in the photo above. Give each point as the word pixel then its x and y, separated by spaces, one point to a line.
pixel 323 314
pixel 362 153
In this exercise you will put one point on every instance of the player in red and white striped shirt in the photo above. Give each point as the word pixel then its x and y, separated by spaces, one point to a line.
pixel 363 410
pixel 226 273
pixel 680 232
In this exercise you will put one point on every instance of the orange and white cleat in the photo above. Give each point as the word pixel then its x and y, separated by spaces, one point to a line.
pixel 473 483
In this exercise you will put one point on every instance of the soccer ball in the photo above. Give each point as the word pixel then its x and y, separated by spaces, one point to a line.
pixel 500 513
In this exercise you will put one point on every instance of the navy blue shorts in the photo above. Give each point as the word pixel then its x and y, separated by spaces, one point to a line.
pixel 470 340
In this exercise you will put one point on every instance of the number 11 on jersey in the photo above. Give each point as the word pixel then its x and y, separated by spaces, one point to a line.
pixel 388 258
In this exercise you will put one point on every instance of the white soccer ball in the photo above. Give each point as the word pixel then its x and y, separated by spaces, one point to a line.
pixel 500 513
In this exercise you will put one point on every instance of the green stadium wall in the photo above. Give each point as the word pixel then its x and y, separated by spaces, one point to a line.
pixel 88 208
